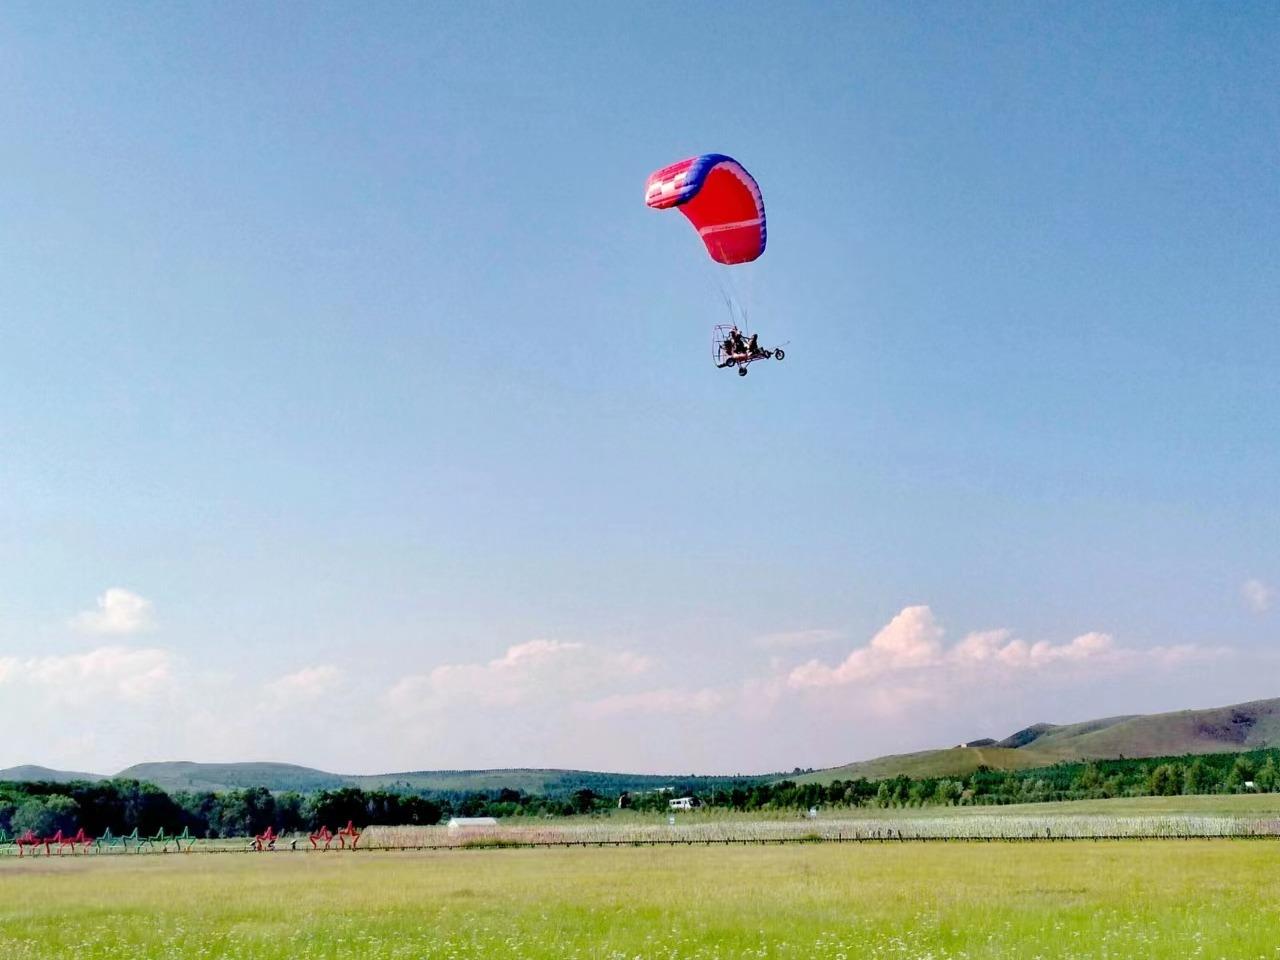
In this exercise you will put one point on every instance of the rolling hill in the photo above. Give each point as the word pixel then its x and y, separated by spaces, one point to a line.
pixel 29 771
pixel 184 775
pixel 1243 726
pixel 179 775
pixel 952 762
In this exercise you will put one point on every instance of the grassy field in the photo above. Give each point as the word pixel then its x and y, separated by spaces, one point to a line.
pixel 1240 805
pixel 1131 818
pixel 1222 804
pixel 1118 899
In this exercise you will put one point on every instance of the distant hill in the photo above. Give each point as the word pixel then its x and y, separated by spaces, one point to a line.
pixel 184 775
pixel 1244 726
pixel 176 775
pixel 554 783
pixel 951 762
pixel 28 771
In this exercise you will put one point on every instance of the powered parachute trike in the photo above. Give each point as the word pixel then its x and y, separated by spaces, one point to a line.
pixel 723 202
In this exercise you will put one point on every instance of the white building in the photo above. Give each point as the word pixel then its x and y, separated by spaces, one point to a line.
pixel 466 823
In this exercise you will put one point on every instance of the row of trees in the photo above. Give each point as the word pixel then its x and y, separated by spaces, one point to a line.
pixel 1163 776
pixel 123 805
pixel 1256 771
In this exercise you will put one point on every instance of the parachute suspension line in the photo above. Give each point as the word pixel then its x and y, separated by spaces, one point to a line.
pixel 725 276
pixel 724 281
pixel 738 301
pixel 728 305
pixel 731 302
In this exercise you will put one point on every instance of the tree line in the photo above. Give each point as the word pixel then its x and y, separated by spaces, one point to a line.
pixel 1254 771
pixel 125 805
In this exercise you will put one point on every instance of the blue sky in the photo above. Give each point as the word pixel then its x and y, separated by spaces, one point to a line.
pixel 340 345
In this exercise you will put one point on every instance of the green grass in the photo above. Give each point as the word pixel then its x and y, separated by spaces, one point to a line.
pixel 1120 899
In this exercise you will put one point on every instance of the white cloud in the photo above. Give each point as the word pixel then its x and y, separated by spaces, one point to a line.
pixel 535 671
pixel 997 646
pixel 1184 653
pixel 119 612
pixel 791 639
pixel 305 685
pixel 667 700
pixel 1257 595
pixel 911 646
pixel 911 639
pixel 557 703
pixel 127 674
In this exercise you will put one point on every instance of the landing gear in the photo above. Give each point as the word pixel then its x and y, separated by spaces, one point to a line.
pixel 729 350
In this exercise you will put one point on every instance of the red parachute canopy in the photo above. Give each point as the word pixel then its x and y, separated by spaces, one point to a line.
pixel 721 200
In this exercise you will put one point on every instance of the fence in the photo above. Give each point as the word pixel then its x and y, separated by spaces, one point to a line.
pixel 969 829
